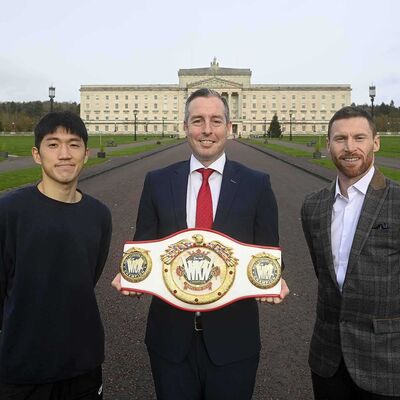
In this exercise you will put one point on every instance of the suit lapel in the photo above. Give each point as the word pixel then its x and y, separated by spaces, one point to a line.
pixel 374 199
pixel 326 221
pixel 179 182
pixel 229 187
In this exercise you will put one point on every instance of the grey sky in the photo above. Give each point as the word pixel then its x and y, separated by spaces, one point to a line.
pixel 77 42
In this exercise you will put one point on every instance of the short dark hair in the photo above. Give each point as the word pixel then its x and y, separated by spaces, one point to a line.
pixel 205 92
pixel 352 112
pixel 53 120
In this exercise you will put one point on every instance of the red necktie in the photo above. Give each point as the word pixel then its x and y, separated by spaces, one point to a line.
pixel 204 209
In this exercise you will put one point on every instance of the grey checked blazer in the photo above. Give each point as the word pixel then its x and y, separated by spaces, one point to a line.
pixel 361 324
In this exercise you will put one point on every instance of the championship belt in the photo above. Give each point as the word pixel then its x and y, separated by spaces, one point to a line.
pixel 201 269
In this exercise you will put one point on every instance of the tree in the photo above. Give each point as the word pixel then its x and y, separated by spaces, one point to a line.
pixel 275 130
pixel 22 117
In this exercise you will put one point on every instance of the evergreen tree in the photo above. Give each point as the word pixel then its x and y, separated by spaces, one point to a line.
pixel 275 130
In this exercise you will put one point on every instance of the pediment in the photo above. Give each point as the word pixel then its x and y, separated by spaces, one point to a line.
pixel 214 83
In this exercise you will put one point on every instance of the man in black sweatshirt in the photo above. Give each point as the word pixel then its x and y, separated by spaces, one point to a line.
pixel 54 242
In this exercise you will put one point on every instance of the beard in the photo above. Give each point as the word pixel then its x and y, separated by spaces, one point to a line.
pixel 358 169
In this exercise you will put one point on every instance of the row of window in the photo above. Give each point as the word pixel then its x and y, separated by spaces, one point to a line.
pixel 107 118
pixel 135 106
pixel 293 118
pixel 254 108
pixel 126 128
pixel 244 96
pixel 174 128
pixel 126 97
pixel 293 96
pixel 253 116
pixel 302 128
pixel 294 106
pixel 252 128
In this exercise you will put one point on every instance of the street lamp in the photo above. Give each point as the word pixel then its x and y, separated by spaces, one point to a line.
pixel 290 125
pixel 163 122
pixel 372 94
pixel 52 94
pixel 265 126
pixel 135 112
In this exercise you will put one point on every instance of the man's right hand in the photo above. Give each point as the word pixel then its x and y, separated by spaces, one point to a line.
pixel 117 284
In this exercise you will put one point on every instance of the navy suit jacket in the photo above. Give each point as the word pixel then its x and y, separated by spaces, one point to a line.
pixel 246 211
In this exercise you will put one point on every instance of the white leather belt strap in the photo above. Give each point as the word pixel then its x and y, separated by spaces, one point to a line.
pixel 201 270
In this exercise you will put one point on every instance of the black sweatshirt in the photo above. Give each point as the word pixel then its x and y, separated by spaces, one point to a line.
pixel 51 255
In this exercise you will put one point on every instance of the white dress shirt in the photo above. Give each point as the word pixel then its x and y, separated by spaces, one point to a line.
pixel 345 215
pixel 194 184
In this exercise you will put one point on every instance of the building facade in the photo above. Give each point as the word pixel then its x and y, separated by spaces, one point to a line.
pixel 159 109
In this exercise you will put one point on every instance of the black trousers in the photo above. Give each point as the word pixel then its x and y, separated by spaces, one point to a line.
pixel 341 386
pixel 197 378
pixel 82 387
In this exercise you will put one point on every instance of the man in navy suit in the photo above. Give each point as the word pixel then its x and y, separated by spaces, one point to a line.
pixel 213 355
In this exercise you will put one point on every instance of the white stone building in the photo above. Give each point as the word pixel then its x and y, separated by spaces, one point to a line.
pixel 158 109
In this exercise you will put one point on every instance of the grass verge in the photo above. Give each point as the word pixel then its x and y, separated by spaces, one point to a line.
pixel 22 145
pixel 130 151
pixel 16 178
pixel 391 173
pixel 20 177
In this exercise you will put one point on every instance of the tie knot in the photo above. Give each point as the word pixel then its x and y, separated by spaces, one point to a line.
pixel 206 172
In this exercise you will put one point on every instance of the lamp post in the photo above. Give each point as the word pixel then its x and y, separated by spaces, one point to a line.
pixel 290 125
pixel 52 94
pixel 163 122
pixel 265 126
pixel 372 94
pixel 135 112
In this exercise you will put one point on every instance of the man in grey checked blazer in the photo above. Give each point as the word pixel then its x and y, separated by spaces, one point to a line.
pixel 353 232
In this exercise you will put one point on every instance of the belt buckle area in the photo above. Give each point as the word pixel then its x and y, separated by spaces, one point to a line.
pixel 197 323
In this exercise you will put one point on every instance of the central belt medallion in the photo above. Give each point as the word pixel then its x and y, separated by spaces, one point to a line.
pixel 198 272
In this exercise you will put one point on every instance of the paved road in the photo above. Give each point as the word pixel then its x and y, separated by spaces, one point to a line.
pixel 283 373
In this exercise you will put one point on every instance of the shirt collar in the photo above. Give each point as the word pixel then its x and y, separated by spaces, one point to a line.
pixel 361 185
pixel 218 165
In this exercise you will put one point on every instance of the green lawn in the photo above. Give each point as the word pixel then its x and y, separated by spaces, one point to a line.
pixel 390 145
pixel 22 145
pixel 304 139
pixel 129 151
pixel 18 145
pixel 281 148
pixel 288 150
pixel 94 140
pixel 21 177
pixel 13 179
pixel 391 173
